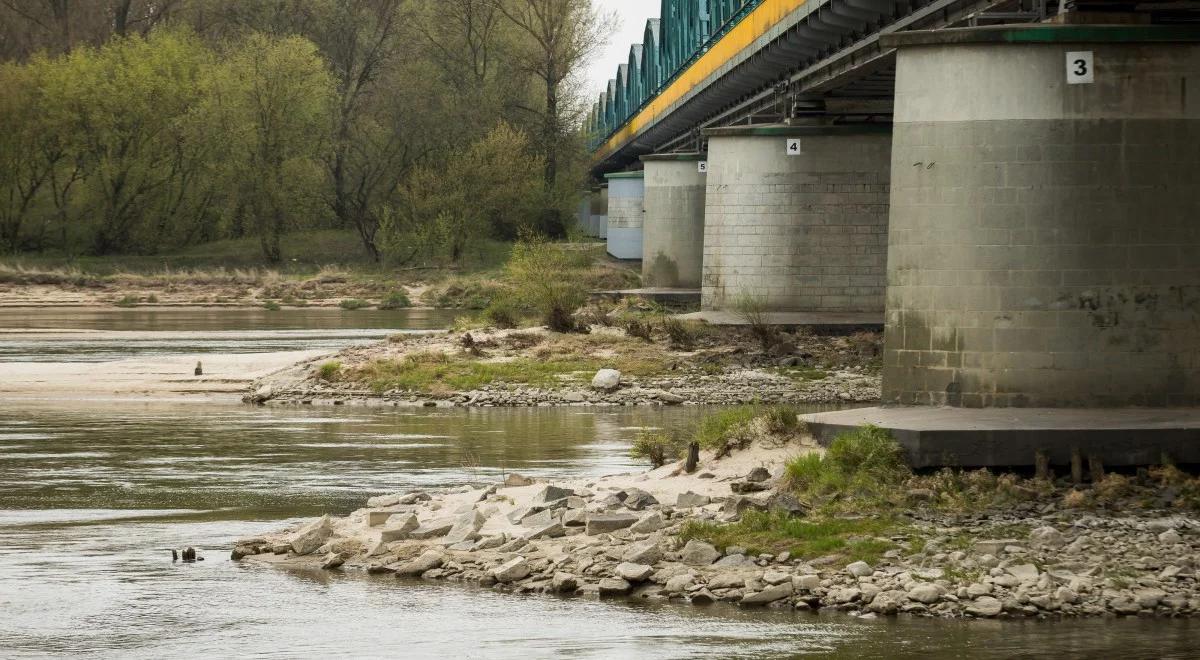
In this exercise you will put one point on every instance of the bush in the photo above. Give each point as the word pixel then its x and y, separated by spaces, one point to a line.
pixel 658 448
pixel 329 371
pixel 752 310
pixel 503 313
pixel 679 334
pixel 352 304
pixel 547 279
pixel 395 300
pixel 635 327
pixel 271 306
pixel 866 463
pixel 127 301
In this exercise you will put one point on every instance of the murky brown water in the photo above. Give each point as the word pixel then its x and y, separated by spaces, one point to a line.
pixel 93 496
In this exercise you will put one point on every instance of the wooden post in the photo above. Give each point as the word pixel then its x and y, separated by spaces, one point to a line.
pixel 1041 462
pixel 1096 467
pixel 693 457
pixel 1076 466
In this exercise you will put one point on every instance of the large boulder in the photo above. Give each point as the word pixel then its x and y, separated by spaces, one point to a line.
pixel 604 523
pixel 698 553
pixel 428 561
pixel 312 536
pixel 606 380
pixel 550 494
pixel 636 499
pixel 642 552
pixel 650 522
pixel 633 572
pixel 399 527
pixel 432 529
pixel 690 500
pixel 512 570
pixel 466 528
pixel 768 595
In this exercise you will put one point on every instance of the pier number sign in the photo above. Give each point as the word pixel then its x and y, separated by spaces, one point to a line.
pixel 793 146
pixel 702 167
pixel 1080 68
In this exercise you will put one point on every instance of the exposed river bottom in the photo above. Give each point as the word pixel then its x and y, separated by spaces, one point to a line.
pixel 93 497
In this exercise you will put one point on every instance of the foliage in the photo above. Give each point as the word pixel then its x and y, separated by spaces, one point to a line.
pixel 272 306
pixel 658 448
pixel 545 277
pixel 395 300
pixel 752 310
pixel 866 464
pixel 351 304
pixel 328 371
pixel 853 539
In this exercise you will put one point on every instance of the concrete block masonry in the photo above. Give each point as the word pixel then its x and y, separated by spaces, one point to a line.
pixel 626 211
pixel 673 234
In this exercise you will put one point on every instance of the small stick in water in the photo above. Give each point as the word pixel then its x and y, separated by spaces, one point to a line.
pixel 174 555
pixel 199 369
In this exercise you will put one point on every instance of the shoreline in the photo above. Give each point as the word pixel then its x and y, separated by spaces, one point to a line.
pixel 619 536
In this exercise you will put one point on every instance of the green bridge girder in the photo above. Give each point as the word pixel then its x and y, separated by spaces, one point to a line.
pixel 684 31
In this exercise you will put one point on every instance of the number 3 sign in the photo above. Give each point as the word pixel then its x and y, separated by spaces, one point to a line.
pixel 1080 68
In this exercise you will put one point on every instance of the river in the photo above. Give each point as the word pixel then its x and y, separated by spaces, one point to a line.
pixel 93 496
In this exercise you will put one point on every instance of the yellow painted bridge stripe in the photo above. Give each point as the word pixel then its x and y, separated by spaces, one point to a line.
pixel 756 24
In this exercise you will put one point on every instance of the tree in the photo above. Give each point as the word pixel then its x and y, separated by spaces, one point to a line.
pixel 274 100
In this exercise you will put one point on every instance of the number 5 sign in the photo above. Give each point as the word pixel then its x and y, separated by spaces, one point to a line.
pixel 1080 68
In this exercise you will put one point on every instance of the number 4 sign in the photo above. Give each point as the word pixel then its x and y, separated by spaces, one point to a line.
pixel 793 146
pixel 1080 68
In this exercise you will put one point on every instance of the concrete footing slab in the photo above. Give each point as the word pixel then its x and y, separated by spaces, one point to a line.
pixel 1005 437
pixel 657 294
pixel 872 320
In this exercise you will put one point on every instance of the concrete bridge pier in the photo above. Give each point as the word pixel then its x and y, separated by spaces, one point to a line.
pixel 796 218
pixel 583 217
pixel 626 213
pixel 599 218
pixel 1044 233
pixel 673 232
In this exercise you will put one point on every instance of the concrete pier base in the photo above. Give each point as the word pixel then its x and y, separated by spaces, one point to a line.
pixel 626 213
pixel 999 437
pixel 599 220
pixel 673 231
pixel 796 218
pixel 1045 224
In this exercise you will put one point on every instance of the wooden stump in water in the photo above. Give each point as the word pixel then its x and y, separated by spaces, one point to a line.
pixel 199 369
pixel 1041 461
pixel 1076 466
pixel 693 457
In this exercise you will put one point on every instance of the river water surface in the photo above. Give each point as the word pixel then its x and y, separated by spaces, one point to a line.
pixel 94 496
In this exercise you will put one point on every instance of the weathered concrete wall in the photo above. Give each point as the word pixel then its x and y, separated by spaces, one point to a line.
pixel 801 233
pixel 673 233
pixel 626 210
pixel 583 217
pixel 600 212
pixel 1044 236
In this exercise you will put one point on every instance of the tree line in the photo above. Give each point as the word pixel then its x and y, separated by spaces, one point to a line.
pixel 137 126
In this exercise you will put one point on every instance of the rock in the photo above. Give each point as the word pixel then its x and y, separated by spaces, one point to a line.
pixel 729 561
pixel 428 560
pixel 603 523
pixel 574 518
pixel 413 498
pixel 848 595
pixel 311 536
pixel 638 499
pixel 993 546
pixel 925 593
pixel 669 398
pixel 806 582
pixel 513 545
pixel 651 522
pixel 1149 598
pixel 633 572
pixel 1170 537
pixel 886 602
pixel 680 583
pixel 788 504
pixel 466 528
pixel 512 570
pixel 614 587
pixel 537 518
pixel 606 380
pixel 698 553
pixel 743 487
pixel 769 595
pixel 736 505
pixel 377 518
pixel 977 589
pixel 702 597
pixel 985 606
pixel 488 543
pixel 691 500
pixel 333 560
pixel 515 480
pixel 642 552
pixel 564 582
pixel 758 474
pixel 551 531
pixel 401 525
pixel 1066 595
pixel 551 494
pixel 776 577
pixel 260 395
pixel 1024 572
pixel 1047 537
pixel 860 569
pixel 432 529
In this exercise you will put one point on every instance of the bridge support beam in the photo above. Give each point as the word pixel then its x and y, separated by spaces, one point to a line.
pixel 796 218
pixel 673 232
pixel 599 219
pixel 1045 218
pixel 626 212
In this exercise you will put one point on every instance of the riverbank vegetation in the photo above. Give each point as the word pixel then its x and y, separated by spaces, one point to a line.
pixel 423 130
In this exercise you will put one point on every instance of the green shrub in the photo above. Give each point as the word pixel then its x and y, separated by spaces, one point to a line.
pixel 395 300
pixel 547 279
pixel 752 310
pixel 657 447
pixel 851 538
pixel 679 334
pixel 864 464
pixel 127 301
pixel 271 306
pixel 636 327
pixel 713 431
pixel 503 312
pixel 329 371
pixel 352 304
